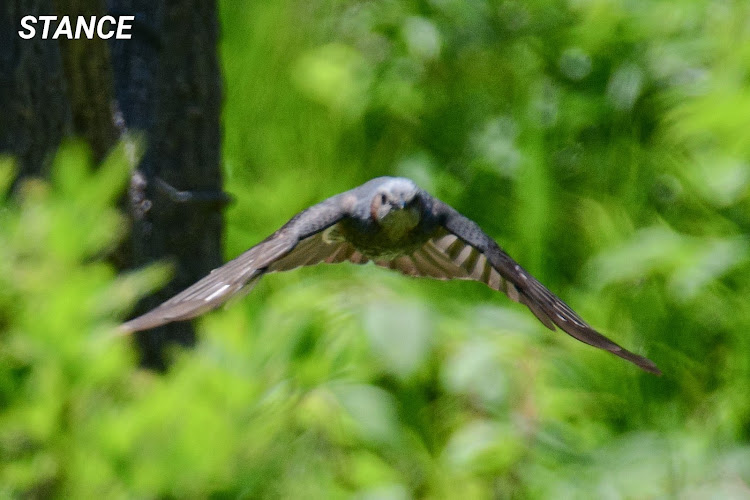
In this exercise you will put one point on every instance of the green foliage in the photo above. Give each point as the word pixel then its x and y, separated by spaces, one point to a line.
pixel 603 143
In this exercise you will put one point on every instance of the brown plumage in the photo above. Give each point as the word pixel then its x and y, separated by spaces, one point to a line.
pixel 396 225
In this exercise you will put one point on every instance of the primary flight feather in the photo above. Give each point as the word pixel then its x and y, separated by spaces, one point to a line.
pixel 395 224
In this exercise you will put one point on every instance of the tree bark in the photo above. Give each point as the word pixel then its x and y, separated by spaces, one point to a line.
pixel 166 83
pixel 178 211
pixel 88 73
pixel 35 113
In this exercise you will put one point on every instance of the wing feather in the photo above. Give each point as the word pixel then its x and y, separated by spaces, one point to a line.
pixel 461 250
pixel 504 273
pixel 299 242
pixel 313 250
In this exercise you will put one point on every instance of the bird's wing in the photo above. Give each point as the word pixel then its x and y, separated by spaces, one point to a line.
pixel 323 247
pixel 461 250
pixel 299 242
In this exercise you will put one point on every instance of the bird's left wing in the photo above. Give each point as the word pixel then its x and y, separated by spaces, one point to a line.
pixel 461 250
pixel 300 241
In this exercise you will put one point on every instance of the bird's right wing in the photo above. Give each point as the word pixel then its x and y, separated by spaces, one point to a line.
pixel 300 241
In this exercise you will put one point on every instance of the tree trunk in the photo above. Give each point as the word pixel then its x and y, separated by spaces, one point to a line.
pixel 173 59
pixel 88 73
pixel 35 113
pixel 166 83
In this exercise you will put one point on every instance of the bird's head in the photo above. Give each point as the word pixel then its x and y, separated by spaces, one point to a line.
pixel 396 204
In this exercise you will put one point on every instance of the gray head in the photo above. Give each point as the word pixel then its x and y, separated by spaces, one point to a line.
pixel 393 195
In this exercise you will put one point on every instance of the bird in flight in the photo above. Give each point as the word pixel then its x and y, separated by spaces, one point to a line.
pixel 395 224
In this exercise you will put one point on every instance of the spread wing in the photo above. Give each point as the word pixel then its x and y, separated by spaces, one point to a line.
pixel 461 250
pixel 301 241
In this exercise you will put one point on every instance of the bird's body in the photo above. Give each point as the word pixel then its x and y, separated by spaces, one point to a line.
pixel 398 232
pixel 395 224
pixel 381 243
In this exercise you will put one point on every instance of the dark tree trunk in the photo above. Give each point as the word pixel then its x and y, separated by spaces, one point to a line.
pixel 173 59
pixel 88 74
pixel 166 83
pixel 34 111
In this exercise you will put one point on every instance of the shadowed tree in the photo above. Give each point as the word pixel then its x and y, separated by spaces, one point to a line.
pixel 36 113
pixel 168 85
pixel 164 82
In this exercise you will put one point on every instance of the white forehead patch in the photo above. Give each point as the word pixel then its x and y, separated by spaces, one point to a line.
pixel 399 185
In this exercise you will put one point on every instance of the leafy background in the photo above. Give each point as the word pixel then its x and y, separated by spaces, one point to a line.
pixel 604 143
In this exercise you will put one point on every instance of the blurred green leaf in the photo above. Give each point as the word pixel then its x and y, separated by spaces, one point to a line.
pixel 400 335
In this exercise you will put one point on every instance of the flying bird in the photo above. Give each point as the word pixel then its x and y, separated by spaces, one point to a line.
pixel 395 224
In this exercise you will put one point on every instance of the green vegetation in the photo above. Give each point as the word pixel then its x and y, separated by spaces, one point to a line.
pixel 605 144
